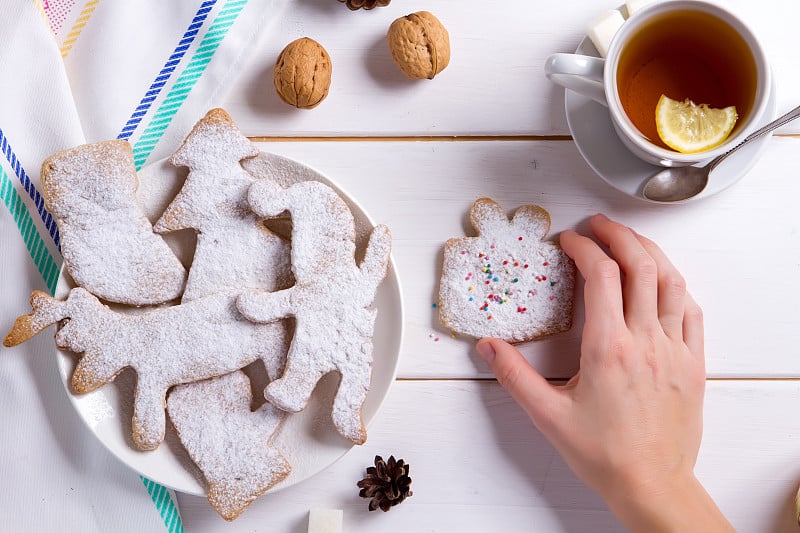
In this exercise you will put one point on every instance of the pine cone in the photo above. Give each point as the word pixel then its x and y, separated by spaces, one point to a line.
pixel 387 483
pixel 366 4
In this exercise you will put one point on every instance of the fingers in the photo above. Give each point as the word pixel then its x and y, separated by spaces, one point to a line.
pixel 653 289
pixel 528 388
pixel 671 291
pixel 693 335
pixel 640 291
pixel 603 289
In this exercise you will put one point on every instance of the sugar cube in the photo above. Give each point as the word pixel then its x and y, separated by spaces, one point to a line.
pixel 635 5
pixel 603 29
pixel 325 521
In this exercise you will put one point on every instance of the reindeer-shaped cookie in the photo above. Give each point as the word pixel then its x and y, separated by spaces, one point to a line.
pixel 331 299
pixel 506 282
pixel 166 346
pixel 108 244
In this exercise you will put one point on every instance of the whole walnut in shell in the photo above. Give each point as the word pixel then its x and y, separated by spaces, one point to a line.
pixel 302 73
pixel 420 45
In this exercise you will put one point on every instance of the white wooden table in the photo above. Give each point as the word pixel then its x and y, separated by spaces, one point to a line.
pixel 417 154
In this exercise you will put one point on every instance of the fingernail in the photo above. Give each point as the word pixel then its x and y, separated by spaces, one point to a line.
pixel 486 351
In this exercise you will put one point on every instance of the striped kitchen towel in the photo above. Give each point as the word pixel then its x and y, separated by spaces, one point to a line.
pixel 76 71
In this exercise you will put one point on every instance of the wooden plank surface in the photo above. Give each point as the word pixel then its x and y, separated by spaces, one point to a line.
pixel 738 249
pixel 478 464
pixel 494 85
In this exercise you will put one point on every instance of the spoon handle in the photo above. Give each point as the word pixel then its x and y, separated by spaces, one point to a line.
pixel 775 124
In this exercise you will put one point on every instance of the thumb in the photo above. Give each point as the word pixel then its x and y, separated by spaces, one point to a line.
pixel 528 388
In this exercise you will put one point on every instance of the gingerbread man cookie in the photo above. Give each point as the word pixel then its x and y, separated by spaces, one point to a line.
pixel 228 441
pixel 91 192
pixel 506 282
pixel 331 300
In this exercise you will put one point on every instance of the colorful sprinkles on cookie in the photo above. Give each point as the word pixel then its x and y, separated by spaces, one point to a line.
pixel 506 282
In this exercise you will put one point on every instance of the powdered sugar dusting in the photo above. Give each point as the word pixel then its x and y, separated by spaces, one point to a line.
pixel 331 299
pixel 91 192
pixel 166 346
pixel 234 250
pixel 506 282
pixel 227 441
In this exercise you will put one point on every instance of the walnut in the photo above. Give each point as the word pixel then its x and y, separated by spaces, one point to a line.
pixel 302 73
pixel 420 45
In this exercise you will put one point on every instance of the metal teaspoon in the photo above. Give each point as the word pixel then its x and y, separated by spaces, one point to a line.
pixel 681 183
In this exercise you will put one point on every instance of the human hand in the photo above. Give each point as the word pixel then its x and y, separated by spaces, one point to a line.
pixel 629 423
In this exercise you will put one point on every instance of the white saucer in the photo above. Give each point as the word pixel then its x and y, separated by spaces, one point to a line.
pixel 598 143
pixel 307 439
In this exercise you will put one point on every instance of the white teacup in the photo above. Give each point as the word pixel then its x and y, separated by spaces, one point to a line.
pixel 681 48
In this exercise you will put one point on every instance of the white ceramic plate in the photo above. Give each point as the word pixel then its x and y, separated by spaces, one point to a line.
pixel 307 439
pixel 598 143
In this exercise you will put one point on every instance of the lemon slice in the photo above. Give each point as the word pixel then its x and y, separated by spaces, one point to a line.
pixel 689 128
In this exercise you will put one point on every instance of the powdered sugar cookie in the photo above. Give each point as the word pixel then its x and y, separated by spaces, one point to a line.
pixel 305 437
pixel 228 441
pixel 331 300
pixel 234 250
pixel 506 282
pixel 166 346
pixel 90 190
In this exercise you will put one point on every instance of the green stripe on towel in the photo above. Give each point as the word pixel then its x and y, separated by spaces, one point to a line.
pixel 166 507
pixel 186 81
pixel 40 255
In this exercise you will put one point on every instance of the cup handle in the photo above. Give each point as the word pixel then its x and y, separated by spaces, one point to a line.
pixel 582 74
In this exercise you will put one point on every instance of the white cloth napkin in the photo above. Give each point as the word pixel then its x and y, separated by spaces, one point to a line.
pixel 75 71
